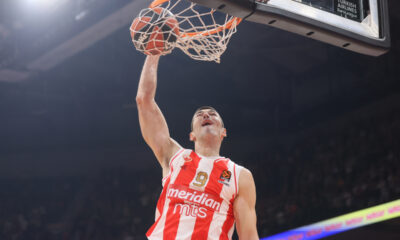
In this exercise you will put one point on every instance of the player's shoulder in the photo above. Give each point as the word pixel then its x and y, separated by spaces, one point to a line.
pixel 239 168
pixel 245 177
pixel 246 173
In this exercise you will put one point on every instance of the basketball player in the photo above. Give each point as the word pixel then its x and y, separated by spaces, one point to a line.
pixel 203 193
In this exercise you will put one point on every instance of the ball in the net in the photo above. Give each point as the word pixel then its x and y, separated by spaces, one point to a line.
pixel 155 31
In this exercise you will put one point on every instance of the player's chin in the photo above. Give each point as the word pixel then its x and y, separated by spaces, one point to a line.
pixel 210 132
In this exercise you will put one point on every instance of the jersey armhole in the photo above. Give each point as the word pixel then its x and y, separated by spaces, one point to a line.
pixel 175 156
pixel 236 173
pixel 171 167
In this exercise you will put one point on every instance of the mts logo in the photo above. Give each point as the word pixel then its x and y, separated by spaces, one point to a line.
pixel 190 210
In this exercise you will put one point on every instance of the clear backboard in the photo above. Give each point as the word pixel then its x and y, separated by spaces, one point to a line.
pixel 357 25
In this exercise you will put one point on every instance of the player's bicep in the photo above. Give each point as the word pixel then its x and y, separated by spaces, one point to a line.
pixel 155 131
pixel 244 207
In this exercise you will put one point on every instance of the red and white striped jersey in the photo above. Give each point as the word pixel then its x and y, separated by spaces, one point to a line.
pixel 197 198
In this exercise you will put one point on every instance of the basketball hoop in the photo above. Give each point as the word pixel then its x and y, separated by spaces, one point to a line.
pixel 204 33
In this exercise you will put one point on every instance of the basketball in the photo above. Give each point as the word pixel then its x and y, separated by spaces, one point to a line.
pixel 155 31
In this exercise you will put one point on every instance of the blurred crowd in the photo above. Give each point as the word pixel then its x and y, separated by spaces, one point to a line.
pixel 121 206
pixel 328 172
pixel 31 208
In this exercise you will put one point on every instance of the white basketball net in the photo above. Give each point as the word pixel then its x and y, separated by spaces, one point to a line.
pixel 204 32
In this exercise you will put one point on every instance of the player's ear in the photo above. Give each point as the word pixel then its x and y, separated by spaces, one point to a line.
pixel 192 137
pixel 224 134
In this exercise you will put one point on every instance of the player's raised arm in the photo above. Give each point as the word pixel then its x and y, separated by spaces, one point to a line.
pixel 152 122
pixel 244 207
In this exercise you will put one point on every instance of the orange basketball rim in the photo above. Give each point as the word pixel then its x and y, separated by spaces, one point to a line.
pixel 228 25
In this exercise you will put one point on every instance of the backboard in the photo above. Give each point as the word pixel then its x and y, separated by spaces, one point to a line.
pixel 357 25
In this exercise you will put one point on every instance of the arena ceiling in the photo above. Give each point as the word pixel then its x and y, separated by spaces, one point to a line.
pixel 72 81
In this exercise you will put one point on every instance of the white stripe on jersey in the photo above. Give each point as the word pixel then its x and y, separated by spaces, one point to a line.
pixel 187 228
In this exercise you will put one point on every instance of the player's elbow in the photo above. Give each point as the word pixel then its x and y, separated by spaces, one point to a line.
pixel 141 99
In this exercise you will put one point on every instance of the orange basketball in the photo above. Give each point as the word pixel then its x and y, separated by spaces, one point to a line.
pixel 155 31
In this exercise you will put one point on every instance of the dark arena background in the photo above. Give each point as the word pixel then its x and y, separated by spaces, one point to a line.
pixel 318 126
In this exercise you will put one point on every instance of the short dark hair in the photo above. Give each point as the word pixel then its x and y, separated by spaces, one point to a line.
pixel 203 108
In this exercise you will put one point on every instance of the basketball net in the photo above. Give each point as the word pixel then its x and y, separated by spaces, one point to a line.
pixel 204 33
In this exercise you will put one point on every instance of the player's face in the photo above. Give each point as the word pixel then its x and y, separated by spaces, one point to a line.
pixel 207 121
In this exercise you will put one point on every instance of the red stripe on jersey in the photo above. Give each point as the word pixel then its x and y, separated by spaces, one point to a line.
pixel 202 225
pixel 185 176
pixel 161 200
pixel 228 222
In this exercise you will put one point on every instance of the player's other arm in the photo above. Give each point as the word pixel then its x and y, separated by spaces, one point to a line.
pixel 152 122
pixel 244 207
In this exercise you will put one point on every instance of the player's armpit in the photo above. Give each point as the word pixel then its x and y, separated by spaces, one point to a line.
pixel 244 207
pixel 156 134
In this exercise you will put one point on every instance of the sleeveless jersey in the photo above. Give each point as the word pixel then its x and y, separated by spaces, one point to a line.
pixel 197 199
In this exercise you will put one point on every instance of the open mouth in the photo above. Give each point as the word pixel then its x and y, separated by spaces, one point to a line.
pixel 206 123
